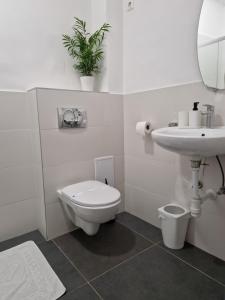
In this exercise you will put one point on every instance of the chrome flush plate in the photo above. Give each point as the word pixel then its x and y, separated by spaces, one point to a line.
pixel 72 117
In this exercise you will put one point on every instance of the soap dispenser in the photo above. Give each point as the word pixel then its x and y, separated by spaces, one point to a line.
pixel 195 117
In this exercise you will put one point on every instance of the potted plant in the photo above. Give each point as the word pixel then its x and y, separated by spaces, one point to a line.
pixel 87 51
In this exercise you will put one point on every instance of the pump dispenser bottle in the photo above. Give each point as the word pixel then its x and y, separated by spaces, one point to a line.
pixel 195 117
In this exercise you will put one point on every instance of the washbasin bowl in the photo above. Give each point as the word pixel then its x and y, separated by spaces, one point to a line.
pixel 202 142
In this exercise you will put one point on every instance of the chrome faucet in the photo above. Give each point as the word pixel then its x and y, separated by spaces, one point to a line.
pixel 209 115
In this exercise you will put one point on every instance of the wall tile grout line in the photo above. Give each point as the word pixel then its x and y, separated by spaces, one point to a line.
pixel 124 261
pixel 193 267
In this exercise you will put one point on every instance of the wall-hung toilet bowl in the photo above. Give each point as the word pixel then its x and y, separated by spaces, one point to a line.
pixel 89 204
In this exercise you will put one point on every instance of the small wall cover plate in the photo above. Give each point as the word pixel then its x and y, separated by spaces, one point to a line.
pixel 130 5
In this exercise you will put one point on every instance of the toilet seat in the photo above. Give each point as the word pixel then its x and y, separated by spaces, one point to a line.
pixel 91 194
pixel 89 204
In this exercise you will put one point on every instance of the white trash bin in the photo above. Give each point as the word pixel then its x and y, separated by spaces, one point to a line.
pixel 174 223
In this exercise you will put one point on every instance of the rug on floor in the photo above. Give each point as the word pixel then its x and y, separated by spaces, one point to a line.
pixel 25 274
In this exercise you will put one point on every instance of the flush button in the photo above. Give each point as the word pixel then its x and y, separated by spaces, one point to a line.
pixel 72 117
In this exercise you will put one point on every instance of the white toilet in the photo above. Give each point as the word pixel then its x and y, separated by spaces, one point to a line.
pixel 90 203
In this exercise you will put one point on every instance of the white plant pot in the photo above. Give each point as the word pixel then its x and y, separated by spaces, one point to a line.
pixel 87 83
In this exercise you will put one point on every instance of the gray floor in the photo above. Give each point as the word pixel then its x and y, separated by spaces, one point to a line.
pixel 127 260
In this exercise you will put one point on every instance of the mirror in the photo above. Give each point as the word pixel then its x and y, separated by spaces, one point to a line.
pixel 211 43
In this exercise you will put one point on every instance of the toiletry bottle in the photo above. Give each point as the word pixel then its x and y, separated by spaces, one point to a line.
pixel 195 117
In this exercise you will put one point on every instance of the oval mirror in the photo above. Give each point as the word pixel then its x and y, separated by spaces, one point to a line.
pixel 211 43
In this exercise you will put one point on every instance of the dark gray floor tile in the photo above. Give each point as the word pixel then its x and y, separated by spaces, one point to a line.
pixel 32 236
pixel 62 267
pixel 93 255
pixel 149 231
pixel 203 261
pixel 83 293
pixel 156 275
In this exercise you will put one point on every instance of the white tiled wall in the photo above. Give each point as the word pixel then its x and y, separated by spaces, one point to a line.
pixel 68 154
pixel 155 177
pixel 18 178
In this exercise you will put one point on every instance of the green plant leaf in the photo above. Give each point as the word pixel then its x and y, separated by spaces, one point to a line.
pixel 85 48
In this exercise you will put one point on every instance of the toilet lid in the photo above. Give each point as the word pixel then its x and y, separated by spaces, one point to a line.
pixel 91 194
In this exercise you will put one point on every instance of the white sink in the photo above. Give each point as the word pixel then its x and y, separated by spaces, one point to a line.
pixel 192 142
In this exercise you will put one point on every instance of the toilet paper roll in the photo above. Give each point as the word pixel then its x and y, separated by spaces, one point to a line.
pixel 143 128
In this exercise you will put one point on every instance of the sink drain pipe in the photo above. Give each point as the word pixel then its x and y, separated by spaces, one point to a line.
pixel 197 199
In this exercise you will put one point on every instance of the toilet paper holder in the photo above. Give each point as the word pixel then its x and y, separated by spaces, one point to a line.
pixel 143 128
